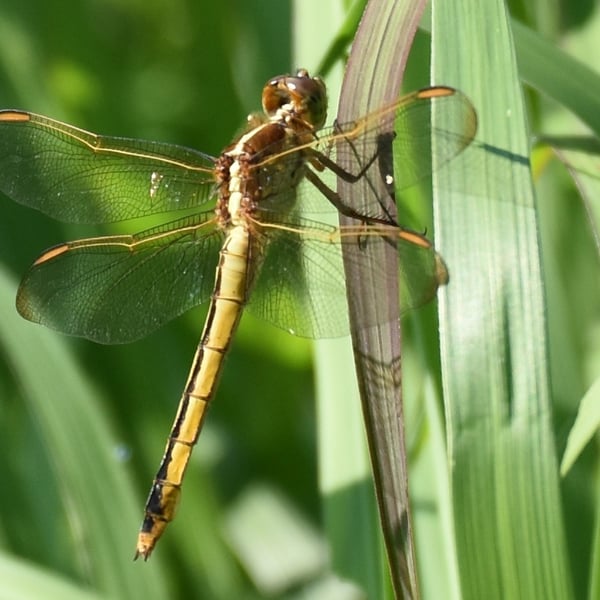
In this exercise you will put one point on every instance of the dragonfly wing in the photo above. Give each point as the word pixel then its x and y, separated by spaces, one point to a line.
pixel 431 130
pixel 79 177
pixel 401 144
pixel 421 270
pixel 301 284
pixel 118 289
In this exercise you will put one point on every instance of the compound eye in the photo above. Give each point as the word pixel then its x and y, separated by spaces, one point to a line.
pixel 275 95
pixel 303 96
pixel 310 96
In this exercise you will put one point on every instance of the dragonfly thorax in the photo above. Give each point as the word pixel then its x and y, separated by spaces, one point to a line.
pixel 257 168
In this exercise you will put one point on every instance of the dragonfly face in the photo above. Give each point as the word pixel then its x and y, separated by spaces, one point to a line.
pixel 302 96
pixel 241 238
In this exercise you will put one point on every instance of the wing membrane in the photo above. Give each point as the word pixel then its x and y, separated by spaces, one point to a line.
pixel 429 128
pixel 301 285
pixel 79 177
pixel 118 289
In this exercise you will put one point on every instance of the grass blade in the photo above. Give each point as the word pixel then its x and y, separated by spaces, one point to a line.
pixel 506 503
pixel 101 509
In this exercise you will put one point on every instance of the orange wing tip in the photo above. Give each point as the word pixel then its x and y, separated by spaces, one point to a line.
pixel 52 253
pixel 414 238
pixel 440 91
pixel 14 116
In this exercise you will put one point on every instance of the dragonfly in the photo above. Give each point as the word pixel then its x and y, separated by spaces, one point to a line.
pixel 238 231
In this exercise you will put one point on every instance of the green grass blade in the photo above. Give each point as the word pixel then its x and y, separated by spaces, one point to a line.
pixel 101 507
pixel 25 581
pixel 585 427
pixel 506 505
pixel 551 71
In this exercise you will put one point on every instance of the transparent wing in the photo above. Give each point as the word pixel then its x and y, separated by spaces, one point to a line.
pixel 79 177
pixel 118 289
pixel 425 129
pixel 301 285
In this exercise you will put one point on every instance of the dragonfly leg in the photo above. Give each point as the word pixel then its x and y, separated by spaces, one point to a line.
pixel 383 155
pixel 342 207
pixel 325 161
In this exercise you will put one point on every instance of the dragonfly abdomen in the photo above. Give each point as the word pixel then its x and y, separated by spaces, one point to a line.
pixel 229 297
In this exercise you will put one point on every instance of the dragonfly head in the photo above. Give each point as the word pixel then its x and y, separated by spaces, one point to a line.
pixel 299 97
